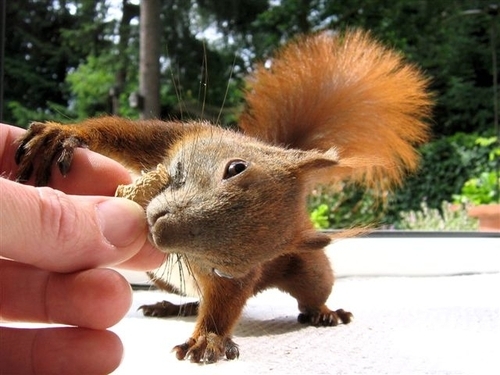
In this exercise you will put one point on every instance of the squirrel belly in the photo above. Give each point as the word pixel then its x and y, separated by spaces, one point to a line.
pixel 230 210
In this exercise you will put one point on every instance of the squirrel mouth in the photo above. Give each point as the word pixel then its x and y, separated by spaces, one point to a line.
pixel 222 274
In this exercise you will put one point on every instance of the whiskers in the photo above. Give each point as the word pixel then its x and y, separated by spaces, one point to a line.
pixel 175 276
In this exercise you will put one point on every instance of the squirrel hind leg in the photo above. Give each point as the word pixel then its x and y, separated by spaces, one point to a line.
pixel 164 308
pixel 324 317
pixel 309 278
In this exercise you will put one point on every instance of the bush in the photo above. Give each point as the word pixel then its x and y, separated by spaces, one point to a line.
pixel 446 165
pixel 345 206
pixel 447 217
pixel 485 188
pixel 480 190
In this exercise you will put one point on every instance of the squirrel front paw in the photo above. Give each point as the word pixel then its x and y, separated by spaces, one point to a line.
pixel 41 145
pixel 325 317
pixel 207 348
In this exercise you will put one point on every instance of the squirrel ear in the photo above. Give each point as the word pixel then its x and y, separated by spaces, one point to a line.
pixel 305 164
pixel 312 160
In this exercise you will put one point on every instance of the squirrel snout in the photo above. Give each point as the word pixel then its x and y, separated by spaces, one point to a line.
pixel 153 214
pixel 169 227
pixel 160 207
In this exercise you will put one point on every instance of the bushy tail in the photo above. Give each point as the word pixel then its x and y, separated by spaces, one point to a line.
pixel 345 91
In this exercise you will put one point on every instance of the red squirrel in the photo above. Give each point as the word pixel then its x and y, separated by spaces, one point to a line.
pixel 232 217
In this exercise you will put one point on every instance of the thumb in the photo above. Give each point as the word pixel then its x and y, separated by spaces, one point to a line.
pixel 64 233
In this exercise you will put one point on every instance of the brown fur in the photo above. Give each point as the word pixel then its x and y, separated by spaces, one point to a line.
pixel 330 108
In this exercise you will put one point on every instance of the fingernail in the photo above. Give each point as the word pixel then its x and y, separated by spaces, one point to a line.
pixel 121 221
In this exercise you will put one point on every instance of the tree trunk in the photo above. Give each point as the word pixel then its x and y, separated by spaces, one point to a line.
pixel 149 69
pixel 129 11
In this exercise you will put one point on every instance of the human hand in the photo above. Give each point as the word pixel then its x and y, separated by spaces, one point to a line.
pixel 54 246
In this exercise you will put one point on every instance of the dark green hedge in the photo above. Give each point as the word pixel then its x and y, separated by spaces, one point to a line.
pixel 445 166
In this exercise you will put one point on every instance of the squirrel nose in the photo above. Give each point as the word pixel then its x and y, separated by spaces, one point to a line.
pixel 155 212
pixel 154 216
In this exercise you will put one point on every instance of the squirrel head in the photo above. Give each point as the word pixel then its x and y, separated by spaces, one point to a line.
pixel 233 202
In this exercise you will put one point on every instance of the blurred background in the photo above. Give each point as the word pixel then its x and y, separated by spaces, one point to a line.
pixel 187 59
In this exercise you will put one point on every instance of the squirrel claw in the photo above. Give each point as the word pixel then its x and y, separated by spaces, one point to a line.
pixel 207 349
pixel 160 309
pixel 66 158
pixel 182 349
pixel 41 145
pixel 326 318
pixel 165 308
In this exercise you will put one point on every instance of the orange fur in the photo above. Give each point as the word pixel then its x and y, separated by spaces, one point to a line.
pixel 348 91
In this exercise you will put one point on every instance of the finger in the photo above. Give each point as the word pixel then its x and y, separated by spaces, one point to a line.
pixel 97 298
pixel 59 351
pixel 89 168
pixel 63 233
pixel 8 135
pixel 147 259
pixel 91 173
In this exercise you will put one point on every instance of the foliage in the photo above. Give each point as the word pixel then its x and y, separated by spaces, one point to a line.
pixel 52 112
pixel 90 84
pixel 208 41
pixel 446 164
pixel 63 57
pixel 483 189
pixel 479 190
pixel 345 206
pixel 319 216
pixel 447 217
pixel 459 163
pixel 39 55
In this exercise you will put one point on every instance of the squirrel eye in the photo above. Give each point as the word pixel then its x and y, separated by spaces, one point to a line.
pixel 234 167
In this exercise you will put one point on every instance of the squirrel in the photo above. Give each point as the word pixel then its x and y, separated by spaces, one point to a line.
pixel 231 213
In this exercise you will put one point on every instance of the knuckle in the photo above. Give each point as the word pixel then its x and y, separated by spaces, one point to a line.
pixel 60 216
